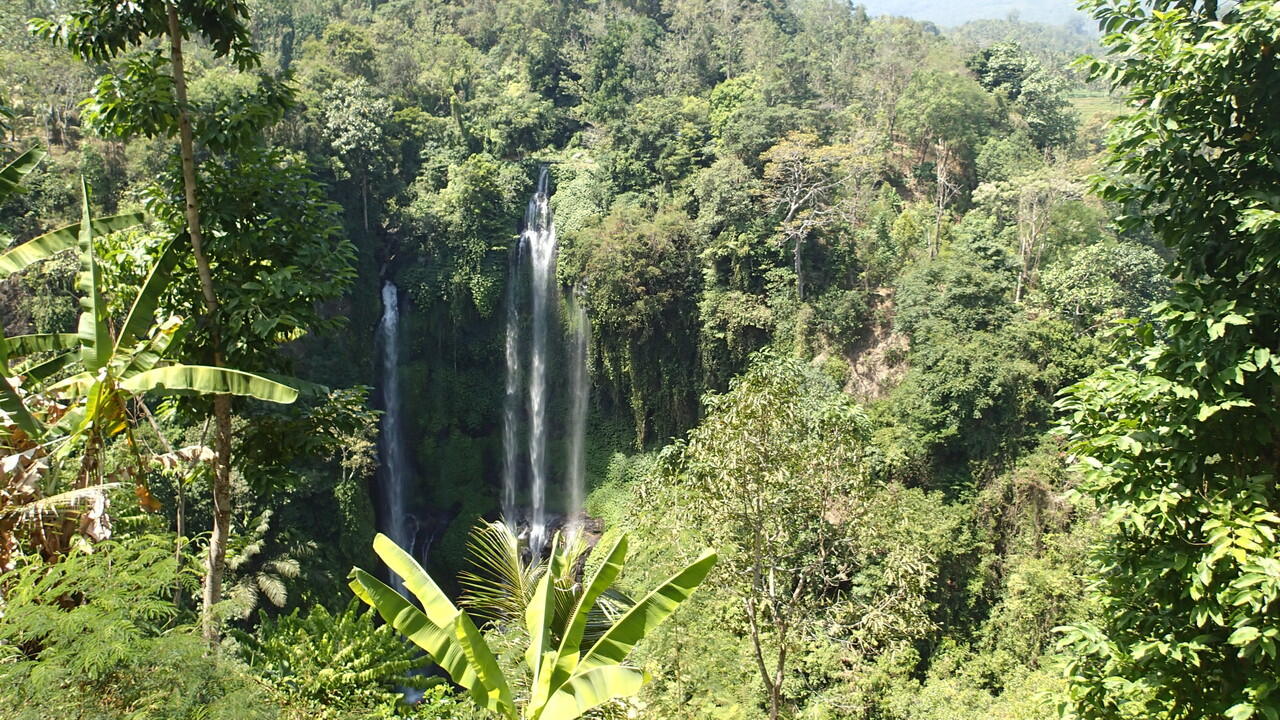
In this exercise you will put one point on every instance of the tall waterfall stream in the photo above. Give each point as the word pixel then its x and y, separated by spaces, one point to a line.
pixel 533 300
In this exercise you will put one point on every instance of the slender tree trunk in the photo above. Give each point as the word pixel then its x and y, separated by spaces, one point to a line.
pixel 216 559
pixel 799 261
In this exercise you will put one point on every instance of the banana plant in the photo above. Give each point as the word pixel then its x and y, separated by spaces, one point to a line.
pixel 568 676
pixel 102 369
pixel 113 365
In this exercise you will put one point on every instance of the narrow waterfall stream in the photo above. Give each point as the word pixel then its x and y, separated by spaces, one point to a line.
pixel 533 303
pixel 395 468
pixel 513 400
pixel 579 391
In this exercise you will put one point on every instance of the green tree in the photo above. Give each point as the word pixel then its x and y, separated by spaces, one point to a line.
pixel 83 411
pixel 1040 97
pixel 355 126
pixel 1178 443
pixel 1107 281
pixel 775 474
pixel 145 100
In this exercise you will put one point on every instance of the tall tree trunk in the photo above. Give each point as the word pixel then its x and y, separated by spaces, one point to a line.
pixel 216 559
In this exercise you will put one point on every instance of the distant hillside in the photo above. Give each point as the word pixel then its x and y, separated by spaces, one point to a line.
pixel 956 12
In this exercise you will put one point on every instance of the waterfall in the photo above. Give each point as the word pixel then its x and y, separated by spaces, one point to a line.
pixel 531 349
pixel 395 467
pixel 540 236
pixel 578 392
pixel 512 404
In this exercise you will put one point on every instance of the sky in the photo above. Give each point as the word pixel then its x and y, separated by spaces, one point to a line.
pixel 955 12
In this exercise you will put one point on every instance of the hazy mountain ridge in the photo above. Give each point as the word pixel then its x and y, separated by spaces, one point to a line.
pixel 950 13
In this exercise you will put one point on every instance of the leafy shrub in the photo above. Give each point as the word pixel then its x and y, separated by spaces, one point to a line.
pixel 96 635
pixel 339 660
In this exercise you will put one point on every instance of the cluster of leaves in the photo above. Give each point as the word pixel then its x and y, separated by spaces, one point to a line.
pixel 97 634
pixel 1177 442
pixel 341 661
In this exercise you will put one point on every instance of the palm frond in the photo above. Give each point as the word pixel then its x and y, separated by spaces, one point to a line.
pixel 54 503
pixel 503 581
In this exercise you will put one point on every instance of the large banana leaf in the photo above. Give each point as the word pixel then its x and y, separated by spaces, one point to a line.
pixel 64 238
pixel 22 166
pixel 646 615
pixel 485 663
pixel 142 314
pixel 44 369
pixel 148 353
pixel 601 580
pixel 74 386
pixel 440 644
pixel 537 620
pixel 438 607
pixel 209 380
pixel 591 689
pixel 491 690
pixel 95 336
pixel 23 345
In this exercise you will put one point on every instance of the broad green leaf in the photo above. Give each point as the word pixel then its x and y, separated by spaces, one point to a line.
pixel 1244 635
pixel 75 386
pixel 209 380
pixel 148 353
pixel 498 693
pixel 95 337
pixel 11 403
pixel 538 615
pixel 411 622
pixel 601 580
pixel 1240 711
pixel 46 246
pixel 491 689
pixel 23 345
pixel 22 166
pixel 590 690
pixel 142 314
pixel 646 615
pixel 47 368
pixel 438 607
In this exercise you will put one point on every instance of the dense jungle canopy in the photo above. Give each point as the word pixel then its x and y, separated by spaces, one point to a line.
pixel 955 341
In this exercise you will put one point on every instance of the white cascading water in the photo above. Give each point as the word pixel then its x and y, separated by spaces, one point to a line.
pixel 526 403
pixel 513 400
pixel 540 236
pixel 579 390
pixel 394 464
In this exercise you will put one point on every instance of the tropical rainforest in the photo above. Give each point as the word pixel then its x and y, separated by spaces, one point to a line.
pixel 934 372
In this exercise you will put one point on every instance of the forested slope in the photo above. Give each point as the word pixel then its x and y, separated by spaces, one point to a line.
pixel 838 269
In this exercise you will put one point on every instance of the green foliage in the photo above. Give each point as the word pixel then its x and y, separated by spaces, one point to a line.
pixel 641 293
pixel 1176 443
pixel 944 108
pixel 338 660
pixel 1039 96
pixel 96 635
pixel 1106 282
pixel 814 552
pixel 463 228
pixel 278 251
pixel 569 677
